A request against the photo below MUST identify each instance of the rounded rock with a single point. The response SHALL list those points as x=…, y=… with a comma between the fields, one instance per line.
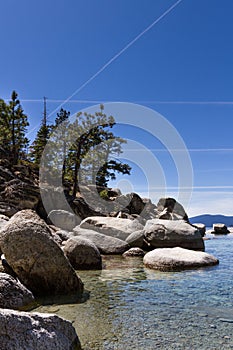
x=82, y=254
x=168, y=259
x=133, y=252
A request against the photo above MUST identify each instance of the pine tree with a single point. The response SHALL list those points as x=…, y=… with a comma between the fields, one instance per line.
x=60, y=139
x=91, y=130
x=4, y=127
x=13, y=123
x=101, y=162
x=42, y=137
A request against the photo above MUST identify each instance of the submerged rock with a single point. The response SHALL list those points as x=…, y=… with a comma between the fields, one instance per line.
x=36, y=258
x=167, y=259
x=31, y=331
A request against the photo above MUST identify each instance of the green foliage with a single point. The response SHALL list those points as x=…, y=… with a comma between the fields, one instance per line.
x=108, y=171
x=13, y=126
x=84, y=150
x=104, y=194
x=81, y=150
x=37, y=147
x=95, y=144
x=61, y=139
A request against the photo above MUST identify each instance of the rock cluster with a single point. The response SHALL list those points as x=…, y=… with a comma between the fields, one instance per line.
x=38, y=265
x=42, y=256
x=18, y=189
x=36, y=258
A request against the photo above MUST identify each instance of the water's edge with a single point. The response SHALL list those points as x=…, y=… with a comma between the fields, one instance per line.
x=132, y=307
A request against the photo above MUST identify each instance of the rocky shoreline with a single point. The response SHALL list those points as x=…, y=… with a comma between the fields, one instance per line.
x=40, y=255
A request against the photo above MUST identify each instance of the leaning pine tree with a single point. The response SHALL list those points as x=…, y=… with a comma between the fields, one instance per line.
x=91, y=131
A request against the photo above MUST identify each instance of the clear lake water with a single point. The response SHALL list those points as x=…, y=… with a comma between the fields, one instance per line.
x=130, y=307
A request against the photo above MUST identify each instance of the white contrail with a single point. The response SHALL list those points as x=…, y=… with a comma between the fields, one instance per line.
x=114, y=58
x=180, y=149
x=118, y=54
x=188, y=188
x=39, y=100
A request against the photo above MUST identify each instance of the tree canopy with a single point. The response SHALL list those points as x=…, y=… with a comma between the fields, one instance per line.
x=84, y=150
x=13, y=126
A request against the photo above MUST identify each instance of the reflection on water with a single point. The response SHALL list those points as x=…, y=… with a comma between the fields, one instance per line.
x=132, y=307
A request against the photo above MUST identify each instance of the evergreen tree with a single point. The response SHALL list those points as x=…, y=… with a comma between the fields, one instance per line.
x=60, y=139
x=101, y=163
x=4, y=127
x=108, y=171
x=91, y=130
x=13, y=123
x=42, y=137
x=39, y=143
x=74, y=144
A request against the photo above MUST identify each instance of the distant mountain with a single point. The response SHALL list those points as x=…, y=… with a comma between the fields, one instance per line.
x=209, y=220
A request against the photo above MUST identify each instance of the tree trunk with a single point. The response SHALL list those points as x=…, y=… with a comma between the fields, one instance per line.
x=76, y=169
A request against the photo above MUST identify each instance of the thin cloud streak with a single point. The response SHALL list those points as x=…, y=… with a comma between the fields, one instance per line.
x=182, y=150
x=63, y=101
x=187, y=188
x=214, y=170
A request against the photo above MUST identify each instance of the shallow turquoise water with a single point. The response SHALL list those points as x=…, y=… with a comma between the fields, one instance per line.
x=132, y=307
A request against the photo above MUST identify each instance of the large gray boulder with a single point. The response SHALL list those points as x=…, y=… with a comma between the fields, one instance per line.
x=170, y=209
x=29, y=215
x=114, y=227
x=201, y=228
x=36, y=331
x=82, y=254
x=36, y=258
x=167, y=259
x=63, y=219
x=13, y=295
x=168, y=234
x=136, y=204
x=105, y=244
x=136, y=239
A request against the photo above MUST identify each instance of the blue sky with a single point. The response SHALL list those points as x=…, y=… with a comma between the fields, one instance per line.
x=182, y=68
